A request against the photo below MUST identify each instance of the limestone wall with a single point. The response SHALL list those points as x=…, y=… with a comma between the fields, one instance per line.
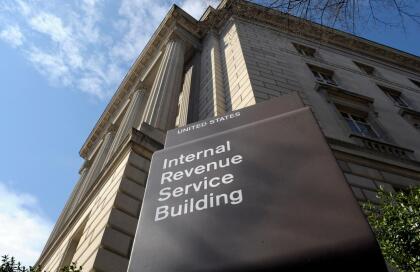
x=111, y=220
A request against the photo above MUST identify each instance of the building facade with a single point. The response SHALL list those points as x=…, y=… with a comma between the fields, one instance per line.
x=365, y=97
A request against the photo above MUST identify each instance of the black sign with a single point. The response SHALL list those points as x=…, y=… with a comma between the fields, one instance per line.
x=263, y=196
x=233, y=119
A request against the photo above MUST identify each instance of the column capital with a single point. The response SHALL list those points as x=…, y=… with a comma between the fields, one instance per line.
x=178, y=33
x=139, y=90
x=112, y=128
x=86, y=164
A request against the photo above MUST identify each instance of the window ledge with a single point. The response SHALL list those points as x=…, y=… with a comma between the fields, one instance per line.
x=340, y=92
x=409, y=111
x=384, y=147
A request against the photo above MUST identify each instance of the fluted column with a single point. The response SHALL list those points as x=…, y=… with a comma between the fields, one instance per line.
x=71, y=202
x=184, y=98
x=98, y=161
x=217, y=76
x=163, y=101
x=78, y=190
x=131, y=119
x=212, y=94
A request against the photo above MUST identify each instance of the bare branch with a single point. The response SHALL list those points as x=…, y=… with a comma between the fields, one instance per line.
x=350, y=14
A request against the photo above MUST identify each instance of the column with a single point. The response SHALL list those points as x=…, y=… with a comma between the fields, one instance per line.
x=163, y=100
x=131, y=119
x=98, y=162
x=212, y=94
x=79, y=187
x=71, y=202
x=217, y=76
x=184, y=98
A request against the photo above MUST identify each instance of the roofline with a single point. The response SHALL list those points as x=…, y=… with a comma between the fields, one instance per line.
x=174, y=9
x=201, y=24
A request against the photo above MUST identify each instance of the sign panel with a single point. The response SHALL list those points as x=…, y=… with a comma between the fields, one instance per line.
x=232, y=119
x=263, y=196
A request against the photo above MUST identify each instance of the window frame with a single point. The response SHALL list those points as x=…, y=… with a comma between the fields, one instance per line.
x=322, y=75
x=305, y=50
x=395, y=96
x=367, y=69
x=415, y=82
x=352, y=122
x=412, y=117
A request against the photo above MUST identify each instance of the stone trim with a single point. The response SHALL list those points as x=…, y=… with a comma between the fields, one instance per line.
x=175, y=17
x=391, y=162
x=215, y=18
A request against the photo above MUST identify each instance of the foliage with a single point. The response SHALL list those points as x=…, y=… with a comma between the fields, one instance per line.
x=9, y=264
x=396, y=223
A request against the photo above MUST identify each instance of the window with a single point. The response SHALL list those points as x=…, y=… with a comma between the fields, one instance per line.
x=417, y=83
x=412, y=116
x=395, y=96
x=323, y=75
x=414, y=121
x=369, y=70
x=304, y=50
x=359, y=125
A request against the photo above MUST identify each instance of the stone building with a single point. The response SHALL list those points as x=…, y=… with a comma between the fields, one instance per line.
x=365, y=96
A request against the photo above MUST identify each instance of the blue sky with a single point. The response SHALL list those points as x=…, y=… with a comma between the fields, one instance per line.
x=60, y=63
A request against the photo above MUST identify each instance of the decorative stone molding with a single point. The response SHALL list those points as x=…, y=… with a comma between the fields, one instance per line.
x=215, y=18
x=346, y=99
x=175, y=16
x=345, y=149
x=131, y=118
x=326, y=35
x=384, y=148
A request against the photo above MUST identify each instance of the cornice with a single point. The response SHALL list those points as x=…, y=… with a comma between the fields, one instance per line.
x=323, y=34
x=216, y=18
x=175, y=18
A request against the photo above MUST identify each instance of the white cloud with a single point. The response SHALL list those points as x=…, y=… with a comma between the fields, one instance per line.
x=91, y=85
x=12, y=35
x=24, y=229
x=85, y=44
x=52, y=66
x=51, y=25
x=196, y=7
x=23, y=7
x=140, y=18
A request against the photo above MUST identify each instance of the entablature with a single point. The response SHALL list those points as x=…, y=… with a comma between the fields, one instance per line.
x=192, y=31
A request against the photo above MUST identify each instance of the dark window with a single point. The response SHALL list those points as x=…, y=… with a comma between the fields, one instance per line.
x=398, y=100
x=366, y=68
x=414, y=120
x=359, y=125
x=417, y=83
x=304, y=50
x=324, y=76
x=395, y=96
